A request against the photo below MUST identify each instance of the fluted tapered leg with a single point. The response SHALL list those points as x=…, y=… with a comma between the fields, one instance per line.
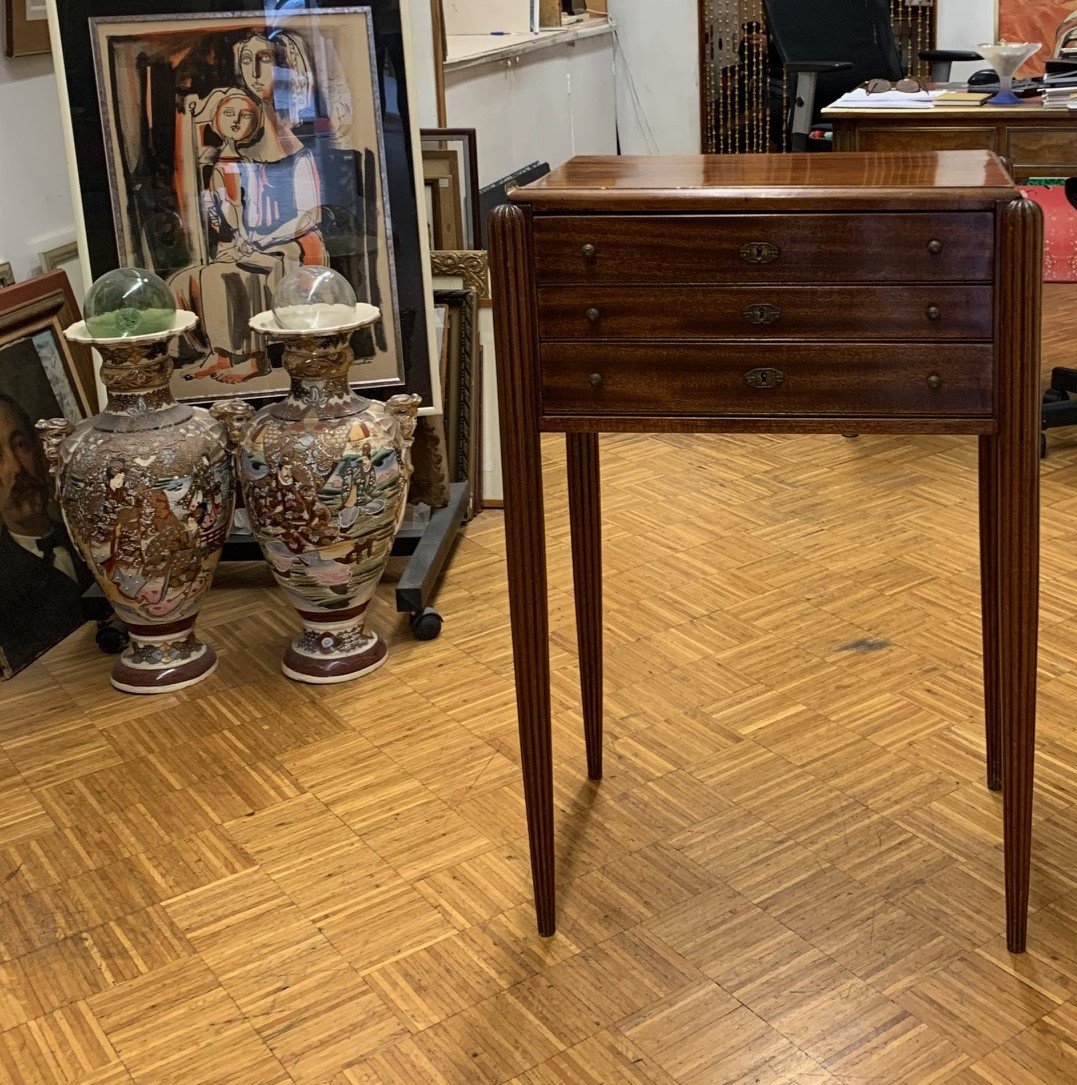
x=1016, y=462
x=989, y=607
x=585, y=514
x=525, y=538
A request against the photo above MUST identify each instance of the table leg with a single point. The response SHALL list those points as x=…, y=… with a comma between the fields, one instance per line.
x=1017, y=490
x=989, y=608
x=525, y=538
x=584, y=506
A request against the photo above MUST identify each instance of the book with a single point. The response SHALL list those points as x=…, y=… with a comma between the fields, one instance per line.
x=960, y=98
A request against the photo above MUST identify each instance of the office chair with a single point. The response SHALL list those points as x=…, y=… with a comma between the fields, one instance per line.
x=1059, y=409
x=830, y=47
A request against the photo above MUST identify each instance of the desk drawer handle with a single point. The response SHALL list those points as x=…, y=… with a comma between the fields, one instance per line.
x=588, y=251
x=592, y=315
x=934, y=381
x=764, y=378
x=933, y=312
x=934, y=247
x=762, y=314
x=760, y=252
x=595, y=379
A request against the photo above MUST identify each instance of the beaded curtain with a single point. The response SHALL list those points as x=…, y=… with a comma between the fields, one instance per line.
x=739, y=115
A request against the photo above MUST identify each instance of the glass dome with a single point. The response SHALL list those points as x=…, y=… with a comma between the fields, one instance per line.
x=313, y=298
x=128, y=302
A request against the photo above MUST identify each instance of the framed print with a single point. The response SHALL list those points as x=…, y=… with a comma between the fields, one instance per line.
x=65, y=258
x=42, y=577
x=458, y=146
x=229, y=143
x=7, y=276
x=26, y=29
x=441, y=175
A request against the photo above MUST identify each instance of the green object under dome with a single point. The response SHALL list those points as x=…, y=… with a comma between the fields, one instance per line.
x=128, y=302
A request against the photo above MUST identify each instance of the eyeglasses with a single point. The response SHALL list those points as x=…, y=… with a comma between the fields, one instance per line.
x=881, y=86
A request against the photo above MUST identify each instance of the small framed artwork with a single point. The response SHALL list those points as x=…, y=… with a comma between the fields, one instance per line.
x=7, y=276
x=26, y=28
x=444, y=205
x=42, y=577
x=224, y=149
x=454, y=152
x=65, y=258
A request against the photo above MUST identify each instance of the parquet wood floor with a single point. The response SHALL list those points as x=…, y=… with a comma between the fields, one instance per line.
x=791, y=873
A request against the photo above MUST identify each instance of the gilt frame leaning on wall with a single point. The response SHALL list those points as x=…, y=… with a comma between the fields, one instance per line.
x=237, y=145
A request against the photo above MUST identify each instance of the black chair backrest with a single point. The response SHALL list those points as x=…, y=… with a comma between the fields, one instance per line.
x=858, y=31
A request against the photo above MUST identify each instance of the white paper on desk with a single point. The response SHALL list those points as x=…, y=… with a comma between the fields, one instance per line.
x=889, y=99
x=487, y=16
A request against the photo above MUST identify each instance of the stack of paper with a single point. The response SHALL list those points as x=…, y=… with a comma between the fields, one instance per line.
x=890, y=99
x=1060, y=98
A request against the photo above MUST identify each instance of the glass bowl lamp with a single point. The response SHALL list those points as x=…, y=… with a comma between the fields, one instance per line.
x=1006, y=57
x=314, y=298
x=127, y=303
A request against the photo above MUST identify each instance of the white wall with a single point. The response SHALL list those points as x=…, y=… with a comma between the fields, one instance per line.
x=964, y=24
x=658, y=75
x=35, y=196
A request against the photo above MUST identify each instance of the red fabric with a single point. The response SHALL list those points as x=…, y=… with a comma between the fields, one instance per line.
x=1059, y=232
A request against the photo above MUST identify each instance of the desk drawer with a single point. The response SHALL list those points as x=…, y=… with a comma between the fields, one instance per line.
x=881, y=379
x=1030, y=146
x=764, y=248
x=766, y=312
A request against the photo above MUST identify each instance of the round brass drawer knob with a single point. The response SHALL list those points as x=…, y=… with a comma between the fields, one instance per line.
x=933, y=312
x=934, y=381
x=595, y=379
x=934, y=247
x=588, y=251
x=592, y=315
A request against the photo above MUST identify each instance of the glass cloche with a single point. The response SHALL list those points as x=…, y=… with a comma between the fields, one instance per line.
x=128, y=302
x=313, y=298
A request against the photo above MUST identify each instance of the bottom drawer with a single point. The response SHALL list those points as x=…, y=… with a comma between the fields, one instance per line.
x=767, y=380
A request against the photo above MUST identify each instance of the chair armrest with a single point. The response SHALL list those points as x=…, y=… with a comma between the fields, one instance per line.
x=952, y=56
x=819, y=66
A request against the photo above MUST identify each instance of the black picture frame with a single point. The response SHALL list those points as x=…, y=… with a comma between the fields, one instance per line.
x=465, y=138
x=74, y=55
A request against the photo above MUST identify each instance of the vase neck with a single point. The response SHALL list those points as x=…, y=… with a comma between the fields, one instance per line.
x=137, y=377
x=318, y=366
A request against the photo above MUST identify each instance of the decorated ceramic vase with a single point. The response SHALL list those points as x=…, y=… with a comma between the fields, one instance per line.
x=146, y=487
x=325, y=476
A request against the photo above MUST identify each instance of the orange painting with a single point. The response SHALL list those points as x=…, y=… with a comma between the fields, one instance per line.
x=1033, y=20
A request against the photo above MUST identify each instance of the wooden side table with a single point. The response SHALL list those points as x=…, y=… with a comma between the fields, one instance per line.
x=837, y=293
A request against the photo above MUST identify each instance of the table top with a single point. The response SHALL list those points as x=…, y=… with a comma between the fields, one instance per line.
x=1029, y=111
x=873, y=181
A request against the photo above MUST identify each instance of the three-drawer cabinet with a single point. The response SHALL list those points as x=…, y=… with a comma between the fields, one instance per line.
x=827, y=293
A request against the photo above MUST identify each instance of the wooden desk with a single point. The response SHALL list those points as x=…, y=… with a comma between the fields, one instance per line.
x=793, y=293
x=1039, y=142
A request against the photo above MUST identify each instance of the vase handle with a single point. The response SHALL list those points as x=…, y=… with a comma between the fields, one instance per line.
x=405, y=409
x=235, y=415
x=53, y=432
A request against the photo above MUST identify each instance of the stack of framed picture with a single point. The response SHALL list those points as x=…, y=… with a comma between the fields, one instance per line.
x=450, y=175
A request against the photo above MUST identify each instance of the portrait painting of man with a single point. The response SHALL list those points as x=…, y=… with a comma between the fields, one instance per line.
x=42, y=577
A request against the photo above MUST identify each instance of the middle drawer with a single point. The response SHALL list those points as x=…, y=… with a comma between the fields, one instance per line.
x=766, y=312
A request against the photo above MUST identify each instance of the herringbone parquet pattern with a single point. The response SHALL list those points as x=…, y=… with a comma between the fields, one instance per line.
x=791, y=873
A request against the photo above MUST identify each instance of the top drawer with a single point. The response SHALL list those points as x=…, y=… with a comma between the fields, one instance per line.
x=764, y=248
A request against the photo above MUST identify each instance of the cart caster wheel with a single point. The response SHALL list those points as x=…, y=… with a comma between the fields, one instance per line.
x=112, y=637
x=426, y=624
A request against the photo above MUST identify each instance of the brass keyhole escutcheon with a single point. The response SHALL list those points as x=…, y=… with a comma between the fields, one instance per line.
x=934, y=381
x=762, y=314
x=759, y=252
x=595, y=379
x=592, y=315
x=933, y=312
x=588, y=251
x=764, y=378
x=934, y=247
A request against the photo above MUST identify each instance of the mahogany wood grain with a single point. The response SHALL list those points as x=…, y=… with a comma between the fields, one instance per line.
x=584, y=506
x=698, y=377
x=767, y=312
x=1016, y=499
x=696, y=423
x=515, y=335
x=964, y=180
x=805, y=248
x=989, y=610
